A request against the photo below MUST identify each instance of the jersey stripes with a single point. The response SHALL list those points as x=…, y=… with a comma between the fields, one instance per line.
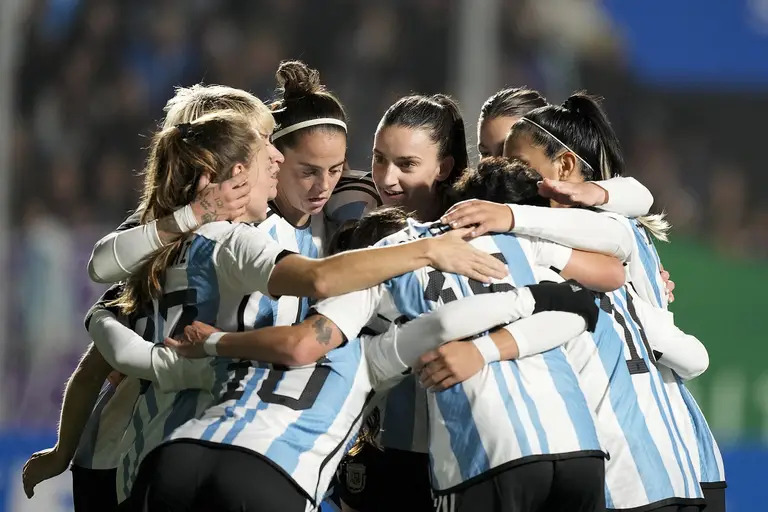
x=299, y=418
x=510, y=412
x=649, y=463
x=697, y=435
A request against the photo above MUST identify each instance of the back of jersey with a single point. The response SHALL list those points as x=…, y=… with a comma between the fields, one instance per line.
x=299, y=418
x=644, y=269
x=512, y=411
x=649, y=463
x=191, y=292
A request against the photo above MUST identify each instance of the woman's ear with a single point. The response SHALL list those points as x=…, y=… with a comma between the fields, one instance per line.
x=203, y=181
x=446, y=166
x=568, y=166
x=237, y=169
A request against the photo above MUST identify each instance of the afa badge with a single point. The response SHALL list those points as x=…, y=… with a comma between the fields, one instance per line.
x=355, y=477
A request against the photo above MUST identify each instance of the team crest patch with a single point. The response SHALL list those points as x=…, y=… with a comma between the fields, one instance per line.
x=355, y=477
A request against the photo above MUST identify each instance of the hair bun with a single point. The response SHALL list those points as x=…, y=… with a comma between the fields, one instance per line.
x=295, y=79
x=582, y=103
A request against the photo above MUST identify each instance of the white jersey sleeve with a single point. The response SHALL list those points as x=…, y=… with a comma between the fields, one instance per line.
x=626, y=196
x=673, y=348
x=119, y=254
x=352, y=311
x=544, y=331
x=574, y=227
x=132, y=355
x=549, y=254
x=246, y=259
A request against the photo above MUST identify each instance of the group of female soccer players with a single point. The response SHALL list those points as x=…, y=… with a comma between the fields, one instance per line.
x=261, y=355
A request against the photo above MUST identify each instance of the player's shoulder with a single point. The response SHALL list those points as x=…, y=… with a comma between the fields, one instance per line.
x=232, y=234
x=413, y=231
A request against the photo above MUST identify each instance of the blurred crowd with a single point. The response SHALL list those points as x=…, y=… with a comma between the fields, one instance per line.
x=95, y=74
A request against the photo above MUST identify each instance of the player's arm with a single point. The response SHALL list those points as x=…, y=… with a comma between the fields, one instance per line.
x=594, y=271
x=80, y=395
x=119, y=254
x=455, y=362
x=391, y=354
x=251, y=261
x=623, y=195
x=132, y=355
x=360, y=269
x=337, y=320
x=672, y=347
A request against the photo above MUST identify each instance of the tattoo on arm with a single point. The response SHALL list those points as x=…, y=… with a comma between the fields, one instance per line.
x=323, y=331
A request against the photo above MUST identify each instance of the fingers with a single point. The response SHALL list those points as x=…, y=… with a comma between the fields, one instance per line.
x=453, y=211
x=670, y=286
x=237, y=180
x=426, y=358
x=429, y=380
x=461, y=233
x=174, y=344
x=445, y=384
x=491, y=266
x=670, y=298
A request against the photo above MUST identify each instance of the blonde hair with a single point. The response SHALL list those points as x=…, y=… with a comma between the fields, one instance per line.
x=212, y=144
x=657, y=225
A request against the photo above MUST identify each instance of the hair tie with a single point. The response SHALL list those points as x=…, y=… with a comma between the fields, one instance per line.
x=184, y=129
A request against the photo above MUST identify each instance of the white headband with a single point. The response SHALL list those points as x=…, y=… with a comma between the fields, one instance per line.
x=305, y=124
x=537, y=125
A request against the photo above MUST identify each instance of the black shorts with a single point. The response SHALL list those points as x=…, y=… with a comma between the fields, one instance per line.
x=193, y=476
x=94, y=490
x=714, y=496
x=569, y=485
x=389, y=480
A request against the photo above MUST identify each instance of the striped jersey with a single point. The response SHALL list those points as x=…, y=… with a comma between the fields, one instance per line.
x=649, y=462
x=99, y=442
x=214, y=268
x=644, y=275
x=512, y=411
x=299, y=418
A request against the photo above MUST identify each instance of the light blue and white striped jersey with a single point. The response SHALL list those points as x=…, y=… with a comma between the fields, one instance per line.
x=299, y=418
x=213, y=270
x=649, y=462
x=644, y=275
x=510, y=412
x=99, y=442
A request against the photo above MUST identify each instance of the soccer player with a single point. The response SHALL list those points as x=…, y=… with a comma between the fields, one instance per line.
x=232, y=256
x=96, y=456
x=546, y=138
x=469, y=461
x=621, y=380
x=499, y=113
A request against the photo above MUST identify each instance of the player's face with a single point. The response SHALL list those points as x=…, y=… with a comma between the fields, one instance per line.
x=262, y=175
x=406, y=168
x=491, y=134
x=522, y=148
x=312, y=169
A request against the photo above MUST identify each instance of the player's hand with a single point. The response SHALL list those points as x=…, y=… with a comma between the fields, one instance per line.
x=573, y=194
x=668, y=283
x=451, y=253
x=41, y=466
x=194, y=337
x=449, y=365
x=221, y=201
x=485, y=216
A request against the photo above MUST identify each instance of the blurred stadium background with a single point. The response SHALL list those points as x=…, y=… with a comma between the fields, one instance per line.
x=83, y=82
